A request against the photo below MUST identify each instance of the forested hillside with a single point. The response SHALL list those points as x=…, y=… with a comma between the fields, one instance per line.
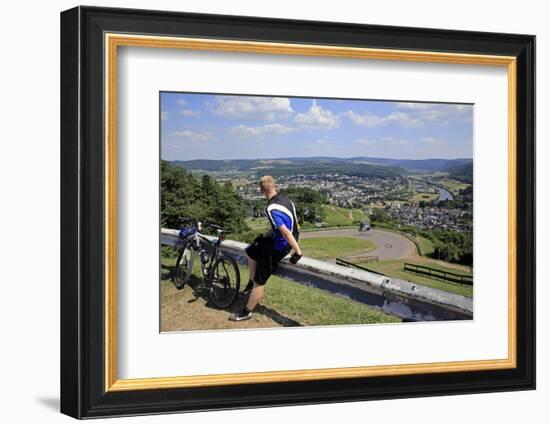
x=182, y=194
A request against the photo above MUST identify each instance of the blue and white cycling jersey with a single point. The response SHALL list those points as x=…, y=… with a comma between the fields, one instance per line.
x=280, y=210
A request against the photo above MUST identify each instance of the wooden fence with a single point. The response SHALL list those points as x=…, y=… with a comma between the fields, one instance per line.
x=362, y=258
x=342, y=262
x=439, y=274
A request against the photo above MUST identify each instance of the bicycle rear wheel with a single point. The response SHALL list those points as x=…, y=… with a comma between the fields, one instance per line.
x=224, y=281
x=184, y=266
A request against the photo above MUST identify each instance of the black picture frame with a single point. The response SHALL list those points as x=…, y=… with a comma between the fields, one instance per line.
x=83, y=392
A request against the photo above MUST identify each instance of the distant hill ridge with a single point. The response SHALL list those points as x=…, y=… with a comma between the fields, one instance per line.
x=462, y=172
x=359, y=166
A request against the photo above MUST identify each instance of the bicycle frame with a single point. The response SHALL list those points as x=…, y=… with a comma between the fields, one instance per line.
x=193, y=245
x=195, y=241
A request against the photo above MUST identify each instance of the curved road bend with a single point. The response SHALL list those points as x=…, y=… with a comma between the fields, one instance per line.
x=389, y=245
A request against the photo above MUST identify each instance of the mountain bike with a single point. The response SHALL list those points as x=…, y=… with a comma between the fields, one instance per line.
x=220, y=273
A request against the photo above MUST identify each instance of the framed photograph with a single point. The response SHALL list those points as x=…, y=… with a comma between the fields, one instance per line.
x=261, y=212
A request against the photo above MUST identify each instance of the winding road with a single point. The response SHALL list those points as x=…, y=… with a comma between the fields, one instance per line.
x=389, y=245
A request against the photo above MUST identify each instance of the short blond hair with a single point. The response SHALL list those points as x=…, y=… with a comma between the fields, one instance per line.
x=267, y=183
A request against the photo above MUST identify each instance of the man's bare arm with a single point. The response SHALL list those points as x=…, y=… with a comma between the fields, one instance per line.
x=287, y=234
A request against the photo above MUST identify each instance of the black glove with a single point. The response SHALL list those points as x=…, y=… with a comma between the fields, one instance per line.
x=295, y=258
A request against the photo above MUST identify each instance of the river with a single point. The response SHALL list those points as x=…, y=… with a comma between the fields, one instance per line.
x=444, y=195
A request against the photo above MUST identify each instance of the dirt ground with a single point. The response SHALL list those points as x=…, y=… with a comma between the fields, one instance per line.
x=189, y=310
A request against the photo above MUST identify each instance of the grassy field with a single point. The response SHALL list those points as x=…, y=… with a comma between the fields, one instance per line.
x=316, y=229
x=453, y=186
x=417, y=197
x=394, y=268
x=426, y=245
x=332, y=247
x=337, y=216
x=311, y=306
x=285, y=303
x=358, y=214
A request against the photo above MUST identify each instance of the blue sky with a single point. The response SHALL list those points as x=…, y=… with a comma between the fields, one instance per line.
x=205, y=126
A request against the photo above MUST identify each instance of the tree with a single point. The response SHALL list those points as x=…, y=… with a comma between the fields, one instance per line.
x=308, y=203
x=183, y=195
x=180, y=195
x=228, y=209
x=379, y=215
x=451, y=246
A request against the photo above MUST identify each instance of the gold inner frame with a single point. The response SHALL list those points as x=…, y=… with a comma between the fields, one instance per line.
x=113, y=41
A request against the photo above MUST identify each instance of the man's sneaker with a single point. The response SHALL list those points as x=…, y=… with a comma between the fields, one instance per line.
x=248, y=288
x=244, y=314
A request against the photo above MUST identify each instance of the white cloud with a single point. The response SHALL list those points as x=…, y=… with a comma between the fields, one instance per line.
x=317, y=118
x=181, y=102
x=189, y=113
x=412, y=105
x=320, y=144
x=366, y=120
x=383, y=142
x=389, y=139
x=323, y=142
x=164, y=116
x=252, y=107
x=371, y=120
x=260, y=131
x=192, y=136
x=366, y=142
x=430, y=140
x=415, y=115
x=405, y=119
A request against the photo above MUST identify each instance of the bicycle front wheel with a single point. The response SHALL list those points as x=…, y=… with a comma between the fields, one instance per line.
x=224, y=281
x=184, y=266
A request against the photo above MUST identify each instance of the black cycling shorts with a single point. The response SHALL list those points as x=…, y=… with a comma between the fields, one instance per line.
x=267, y=258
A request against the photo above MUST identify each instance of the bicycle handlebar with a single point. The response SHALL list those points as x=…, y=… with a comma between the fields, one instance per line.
x=190, y=219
